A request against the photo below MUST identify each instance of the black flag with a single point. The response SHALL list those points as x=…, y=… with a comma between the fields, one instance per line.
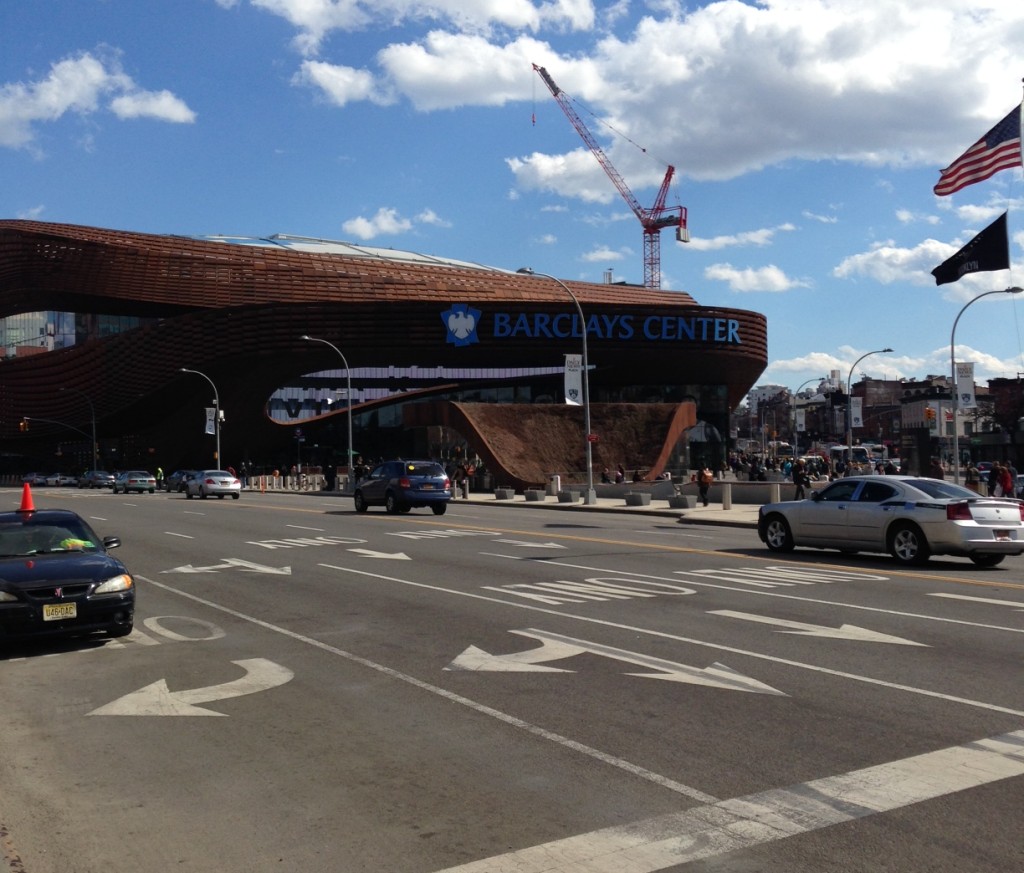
x=989, y=250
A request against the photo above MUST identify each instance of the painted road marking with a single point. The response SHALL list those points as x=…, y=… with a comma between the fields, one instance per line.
x=158, y=699
x=556, y=647
x=844, y=632
x=744, y=822
x=232, y=564
x=370, y=553
x=532, y=545
x=1013, y=604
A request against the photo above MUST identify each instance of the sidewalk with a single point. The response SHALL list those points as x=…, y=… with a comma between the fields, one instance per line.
x=740, y=515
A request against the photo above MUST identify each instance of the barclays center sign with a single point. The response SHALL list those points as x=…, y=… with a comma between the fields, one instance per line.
x=464, y=323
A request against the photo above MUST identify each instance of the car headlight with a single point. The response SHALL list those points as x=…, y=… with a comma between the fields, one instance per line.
x=115, y=585
x=7, y=597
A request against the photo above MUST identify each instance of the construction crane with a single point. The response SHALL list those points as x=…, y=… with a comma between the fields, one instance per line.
x=651, y=220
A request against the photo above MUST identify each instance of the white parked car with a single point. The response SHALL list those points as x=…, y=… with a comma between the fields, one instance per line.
x=61, y=479
x=134, y=480
x=910, y=517
x=213, y=483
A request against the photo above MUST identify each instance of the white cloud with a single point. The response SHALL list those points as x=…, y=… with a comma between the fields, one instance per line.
x=761, y=237
x=342, y=85
x=78, y=85
x=388, y=221
x=605, y=254
x=769, y=278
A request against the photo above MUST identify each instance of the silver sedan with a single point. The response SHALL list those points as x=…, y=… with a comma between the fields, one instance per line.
x=910, y=517
x=212, y=483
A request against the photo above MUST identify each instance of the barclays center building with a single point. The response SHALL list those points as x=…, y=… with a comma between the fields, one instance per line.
x=125, y=349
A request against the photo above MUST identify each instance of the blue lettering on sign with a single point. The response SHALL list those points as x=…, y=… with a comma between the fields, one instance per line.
x=463, y=321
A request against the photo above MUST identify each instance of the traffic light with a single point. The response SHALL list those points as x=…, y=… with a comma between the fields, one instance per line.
x=23, y=425
x=929, y=414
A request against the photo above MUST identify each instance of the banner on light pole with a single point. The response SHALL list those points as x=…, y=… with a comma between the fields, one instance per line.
x=574, y=380
x=211, y=413
x=856, y=412
x=966, y=398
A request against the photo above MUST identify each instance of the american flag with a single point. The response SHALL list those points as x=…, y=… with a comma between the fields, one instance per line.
x=999, y=149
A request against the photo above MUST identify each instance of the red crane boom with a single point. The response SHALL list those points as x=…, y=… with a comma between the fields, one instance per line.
x=651, y=220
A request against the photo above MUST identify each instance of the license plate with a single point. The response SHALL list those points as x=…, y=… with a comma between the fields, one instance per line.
x=58, y=611
x=1002, y=534
x=426, y=486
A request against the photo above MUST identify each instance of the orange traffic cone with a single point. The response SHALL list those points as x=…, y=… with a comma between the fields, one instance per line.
x=26, y=499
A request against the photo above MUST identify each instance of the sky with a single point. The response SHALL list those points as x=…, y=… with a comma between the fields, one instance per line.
x=806, y=137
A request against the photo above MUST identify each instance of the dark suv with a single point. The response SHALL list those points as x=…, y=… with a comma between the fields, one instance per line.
x=399, y=486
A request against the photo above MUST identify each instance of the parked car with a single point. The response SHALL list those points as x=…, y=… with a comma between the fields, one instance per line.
x=34, y=478
x=96, y=479
x=134, y=480
x=910, y=517
x=58, y=479
x=399, y=486
x=176, y=481
x=57, y=577
x=213, y=483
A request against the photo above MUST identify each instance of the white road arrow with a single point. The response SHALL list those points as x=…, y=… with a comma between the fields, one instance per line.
x=232, y=563
x=158, y=699
x=370, y=553
x=531, y=545
x=556, y=647
x=844, y=632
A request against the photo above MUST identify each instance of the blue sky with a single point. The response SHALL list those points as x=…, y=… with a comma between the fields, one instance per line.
x=806, y=136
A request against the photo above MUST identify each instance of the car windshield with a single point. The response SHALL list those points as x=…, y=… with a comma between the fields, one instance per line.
x=939, y=489
x=42, y=539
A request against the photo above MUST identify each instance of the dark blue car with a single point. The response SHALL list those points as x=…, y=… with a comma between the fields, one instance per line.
x=399, y=486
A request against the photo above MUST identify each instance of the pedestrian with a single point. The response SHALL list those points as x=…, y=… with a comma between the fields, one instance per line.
x=936, y=470
x=620, y=475
x=462, y=481
x=1007, y=479
x=800, y=480
x=606, y=477
x=704, y=481
x=159, y=478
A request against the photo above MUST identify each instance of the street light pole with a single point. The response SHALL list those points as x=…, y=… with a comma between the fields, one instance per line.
x=952, y=366
x=796, y=438
x=216, y=410
x=590, y=498
x=849, y=401
x=348, y=394
x=92, y=411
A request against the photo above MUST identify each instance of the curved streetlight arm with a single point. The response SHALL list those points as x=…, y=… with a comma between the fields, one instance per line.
x=954, y=393
x=590, y=498
x=348, y=393
x=849, y=400
x=216, y=403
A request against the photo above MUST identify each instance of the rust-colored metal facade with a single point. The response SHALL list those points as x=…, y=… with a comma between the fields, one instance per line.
x=237, y=312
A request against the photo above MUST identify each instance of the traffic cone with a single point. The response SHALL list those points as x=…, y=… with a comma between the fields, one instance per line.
x=26, y=499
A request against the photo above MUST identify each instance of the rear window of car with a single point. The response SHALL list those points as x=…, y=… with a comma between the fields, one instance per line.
x=424, y=470
x=937, y=488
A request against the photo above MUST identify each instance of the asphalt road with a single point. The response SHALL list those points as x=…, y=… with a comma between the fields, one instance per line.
x=519, y=691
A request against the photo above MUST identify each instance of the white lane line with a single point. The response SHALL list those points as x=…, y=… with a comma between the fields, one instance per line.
x=171, y=533
x=565, y=742
x=301, y=527
x=744, y=822
x=814, y=668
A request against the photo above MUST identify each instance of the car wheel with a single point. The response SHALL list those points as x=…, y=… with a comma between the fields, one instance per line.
x=188, y=494
x=361, y=505
x=908, y=545
x=152, y=490
x=987, y=560
x=391, y=503
x=119, y=631
x=439, y=508
x=202, y=494
x=777, y=535
x=235, y=496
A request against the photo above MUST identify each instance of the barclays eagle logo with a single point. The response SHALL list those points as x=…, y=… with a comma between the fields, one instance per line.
x=461, y=321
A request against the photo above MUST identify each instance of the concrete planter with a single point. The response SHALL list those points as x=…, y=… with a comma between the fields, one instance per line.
x=504, y=493
x=638, y=499
x=682, y=501
x=568, y=496
x=534, y=495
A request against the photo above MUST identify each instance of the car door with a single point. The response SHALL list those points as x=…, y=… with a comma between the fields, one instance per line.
x=823, y=520
x=374, y=486
x=867, y=516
